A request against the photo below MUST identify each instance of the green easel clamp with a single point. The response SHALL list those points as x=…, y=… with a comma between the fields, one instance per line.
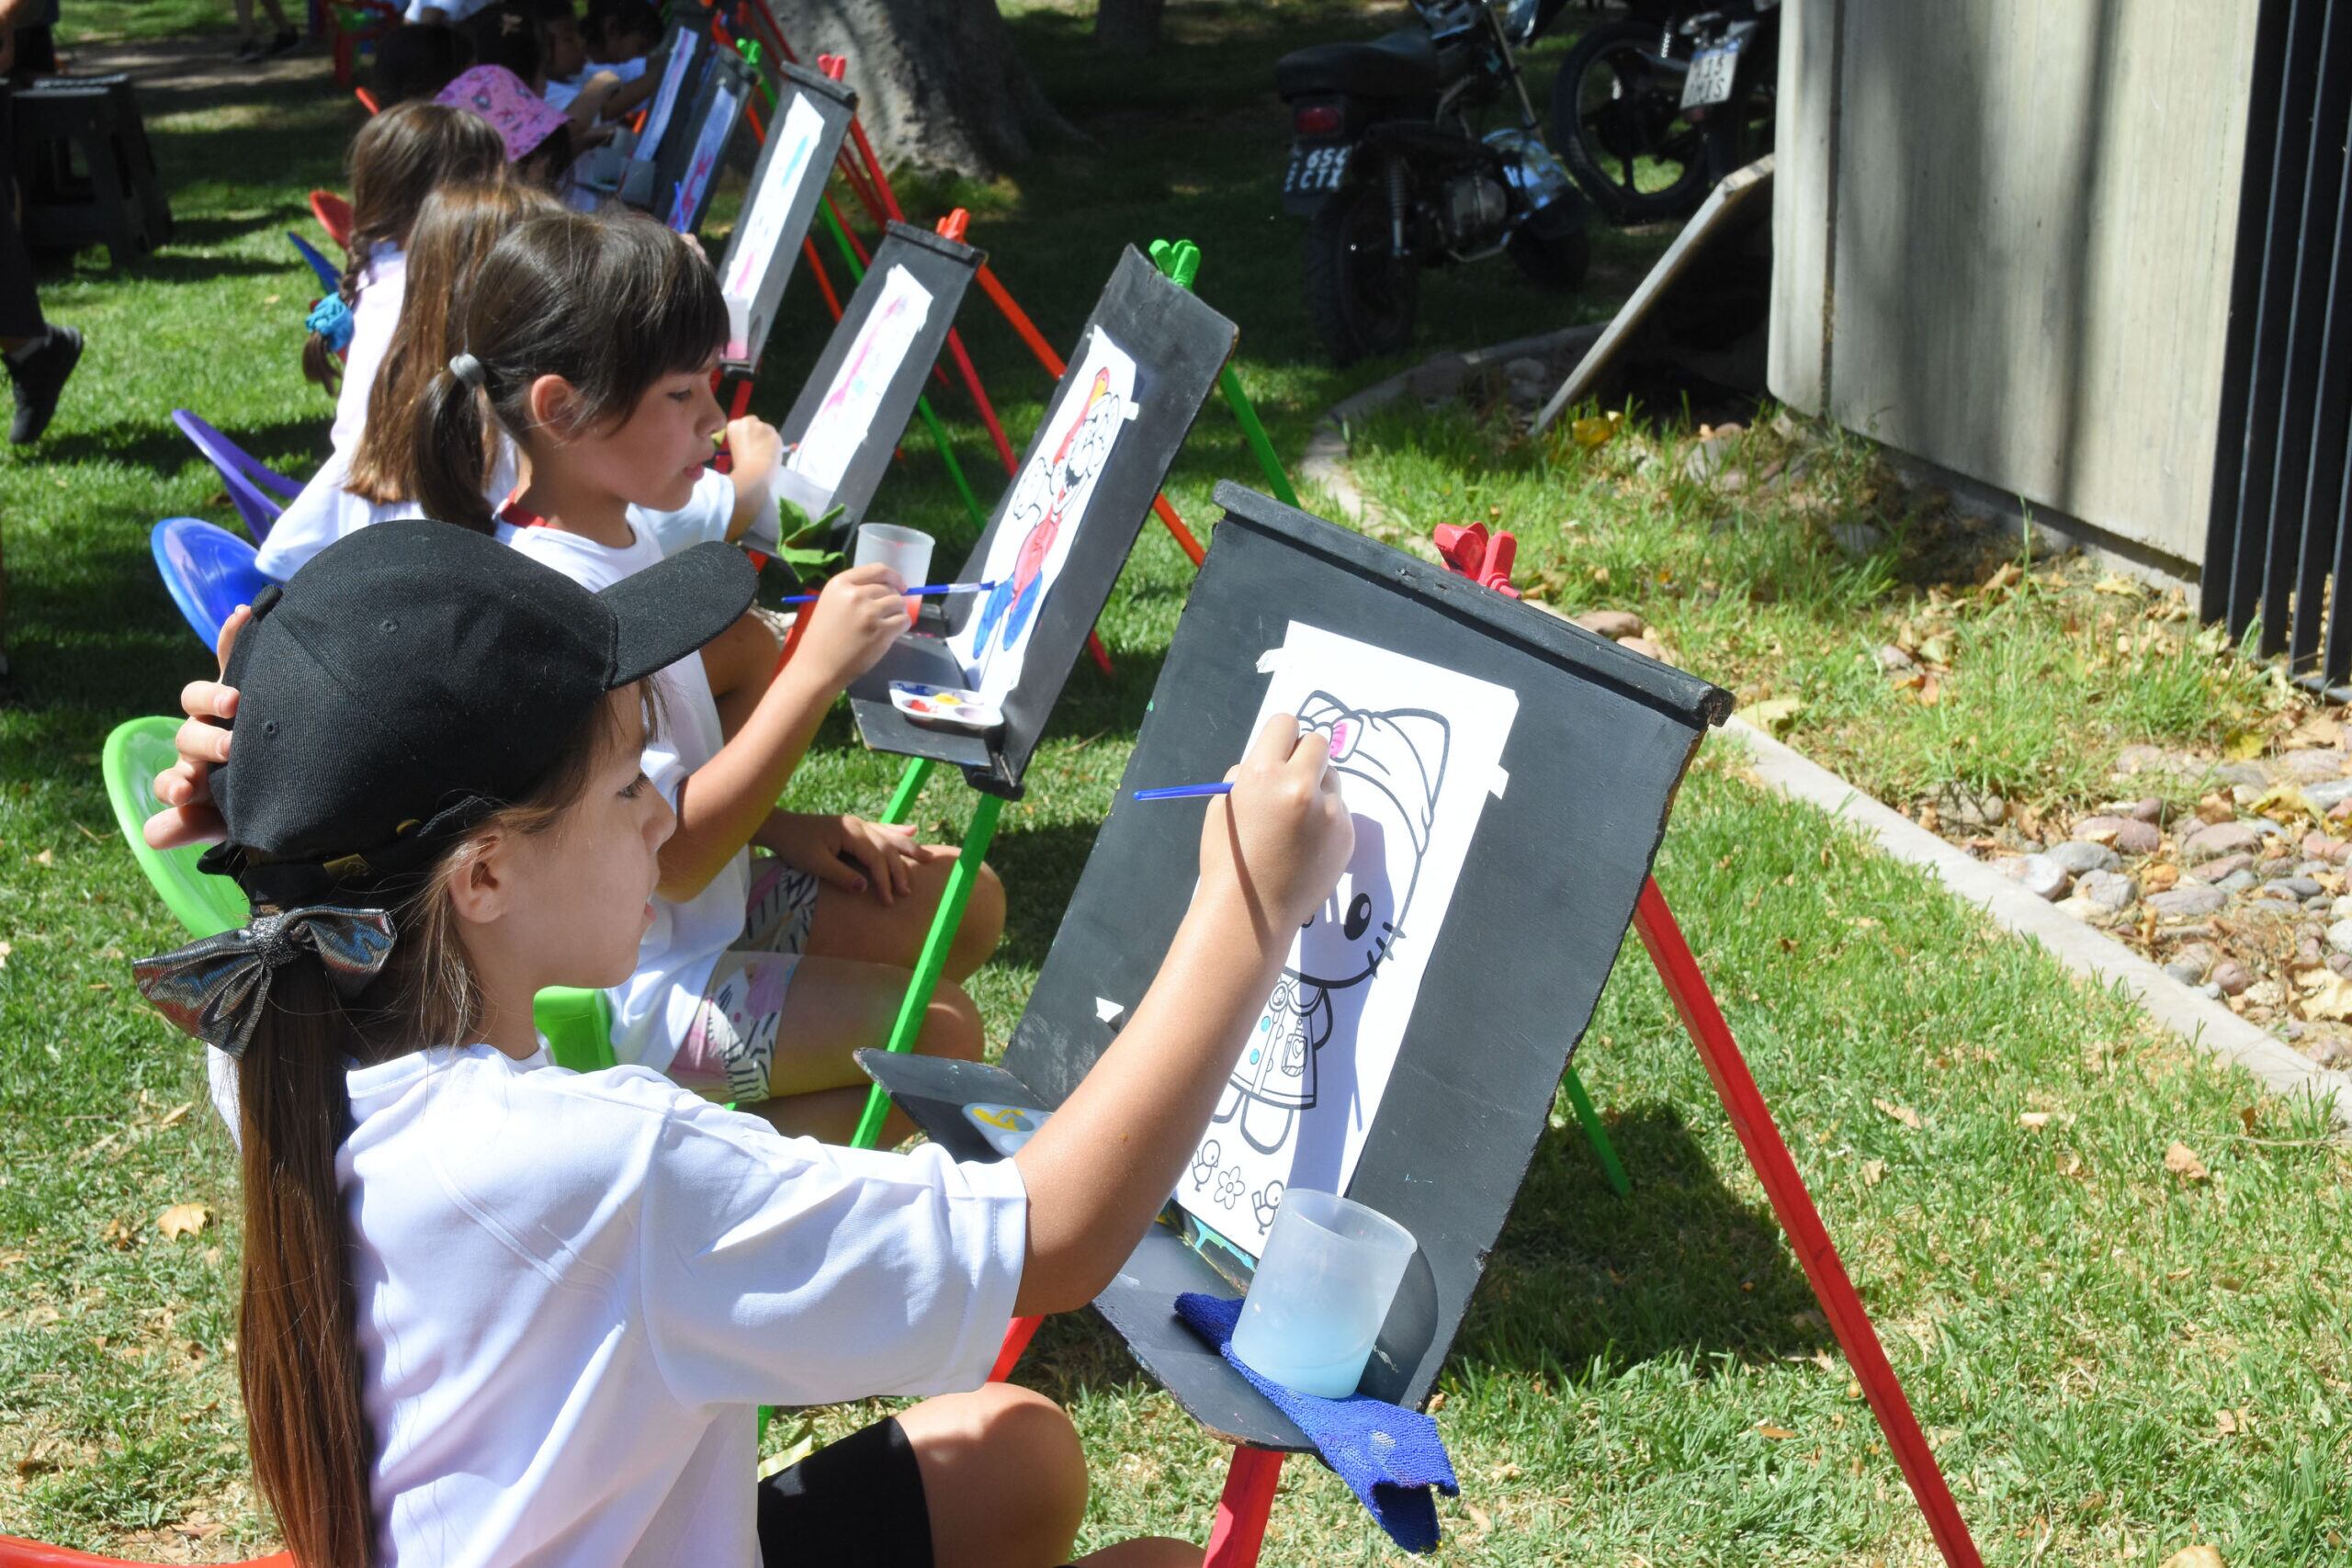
x=1180, y=260
x=922, y=404
x=978, y=835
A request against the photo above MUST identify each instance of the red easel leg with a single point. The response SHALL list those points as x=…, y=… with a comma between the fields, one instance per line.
x=1016, y=1340
x=1752, y=1121
x=1240, y=1529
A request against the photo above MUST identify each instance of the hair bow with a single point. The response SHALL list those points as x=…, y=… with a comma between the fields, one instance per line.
x=215, y=989
x=330, y=319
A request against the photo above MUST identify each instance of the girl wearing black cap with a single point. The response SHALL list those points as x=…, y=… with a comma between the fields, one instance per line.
x=497, y=1312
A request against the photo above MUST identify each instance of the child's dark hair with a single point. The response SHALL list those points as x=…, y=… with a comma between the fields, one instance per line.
x=609, y=20
x=549, y=12
x=610, y=304
x=396, y=160
x=509, y=35
x=298, y=1349
x=417, y=59
x=460, y=226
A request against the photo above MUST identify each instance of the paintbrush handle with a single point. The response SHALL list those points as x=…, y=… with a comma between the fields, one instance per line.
x=1183, y=792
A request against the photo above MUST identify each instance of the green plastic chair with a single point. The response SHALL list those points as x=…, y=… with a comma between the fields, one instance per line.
x=137, y=750
x=576, y=1025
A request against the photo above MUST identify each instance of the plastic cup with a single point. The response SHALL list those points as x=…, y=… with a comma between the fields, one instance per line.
x=1324, y=1285
x=906, y=551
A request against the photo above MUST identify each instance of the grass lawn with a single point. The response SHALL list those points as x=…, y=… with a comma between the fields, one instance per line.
x=2112, y=1359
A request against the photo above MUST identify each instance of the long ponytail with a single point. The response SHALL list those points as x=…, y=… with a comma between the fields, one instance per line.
x=299, y=1364
x=321, y=366
x=450, y=454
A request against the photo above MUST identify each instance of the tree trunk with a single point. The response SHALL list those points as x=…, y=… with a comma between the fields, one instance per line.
x=938, y=80
x=1129, y=28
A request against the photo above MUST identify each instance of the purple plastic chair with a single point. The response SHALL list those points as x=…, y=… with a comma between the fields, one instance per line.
x=330, y=276
x=247, y=479
x=208, y=570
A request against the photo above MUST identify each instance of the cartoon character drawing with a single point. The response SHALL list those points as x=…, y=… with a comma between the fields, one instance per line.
x=1392, y=764
x=1053, y=490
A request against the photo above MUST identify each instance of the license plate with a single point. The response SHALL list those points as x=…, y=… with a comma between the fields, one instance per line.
x=1316, y=171
x=1711, y=74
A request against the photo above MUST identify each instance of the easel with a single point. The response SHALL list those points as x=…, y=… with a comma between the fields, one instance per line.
x=1488, y=1107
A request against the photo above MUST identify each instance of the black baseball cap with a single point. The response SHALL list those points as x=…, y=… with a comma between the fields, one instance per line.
x=415, y=676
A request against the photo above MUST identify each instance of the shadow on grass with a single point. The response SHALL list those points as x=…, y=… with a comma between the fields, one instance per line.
x=162, y=450
x=1581, y=1280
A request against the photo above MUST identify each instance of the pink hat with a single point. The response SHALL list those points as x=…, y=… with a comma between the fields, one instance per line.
x=523, y=118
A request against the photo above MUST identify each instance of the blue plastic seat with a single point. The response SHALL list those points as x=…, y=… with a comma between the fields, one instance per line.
x=247, y=480
x=208, y=570
x=330, y=276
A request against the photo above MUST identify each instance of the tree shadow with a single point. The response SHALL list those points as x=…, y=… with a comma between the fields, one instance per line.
x=162, y=450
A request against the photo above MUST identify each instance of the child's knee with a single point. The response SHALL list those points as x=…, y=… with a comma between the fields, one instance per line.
x=1034, y=1439
x=951, y=1026
x=983, y=922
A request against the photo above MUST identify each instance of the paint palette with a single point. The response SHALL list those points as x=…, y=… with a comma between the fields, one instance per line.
x=1007, y=1127
x=951, y=706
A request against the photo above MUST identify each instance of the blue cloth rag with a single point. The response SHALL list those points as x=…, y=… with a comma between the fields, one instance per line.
x=1389, y=1456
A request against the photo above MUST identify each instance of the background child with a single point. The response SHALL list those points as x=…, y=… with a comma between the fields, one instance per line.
x=358, y=485
x=753, y=977
x=397, y=160
x=416, y=60
x=442, y=1233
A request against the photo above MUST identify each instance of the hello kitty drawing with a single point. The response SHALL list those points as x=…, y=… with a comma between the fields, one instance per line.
x=1392, y=765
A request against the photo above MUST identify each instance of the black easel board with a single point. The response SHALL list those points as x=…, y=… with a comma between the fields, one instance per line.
x=678, y=67
x=941, y=269
x=1176, y=344
x=813, y=115
x=1547, y=890
x=687, y=169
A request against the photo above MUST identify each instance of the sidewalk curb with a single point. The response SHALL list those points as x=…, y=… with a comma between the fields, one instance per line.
x=2087, y=953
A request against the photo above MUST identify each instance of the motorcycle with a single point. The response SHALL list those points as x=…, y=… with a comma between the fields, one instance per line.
x=1394, y=175
x=1651, y=112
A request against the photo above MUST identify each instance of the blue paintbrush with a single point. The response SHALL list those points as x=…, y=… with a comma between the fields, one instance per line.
x=929, y=590
x=1183, y=792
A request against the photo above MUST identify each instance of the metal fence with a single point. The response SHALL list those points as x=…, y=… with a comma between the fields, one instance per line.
x=2278, y=549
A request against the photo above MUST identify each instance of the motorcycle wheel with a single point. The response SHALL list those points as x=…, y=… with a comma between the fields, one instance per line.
x=1617, y=123
x=1362, y=299
x=1558, y=263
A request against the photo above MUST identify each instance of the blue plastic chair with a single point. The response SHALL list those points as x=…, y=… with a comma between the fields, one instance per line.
x=209, y=571
x=330, y=275
x=246, y=479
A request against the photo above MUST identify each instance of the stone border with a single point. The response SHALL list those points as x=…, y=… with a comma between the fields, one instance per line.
x=2088, y=954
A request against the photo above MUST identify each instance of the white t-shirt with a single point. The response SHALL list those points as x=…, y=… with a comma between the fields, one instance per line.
x=382, y=289
x=455, y=10
x=325, y=511
x=574, y=1288
x=654, y=1009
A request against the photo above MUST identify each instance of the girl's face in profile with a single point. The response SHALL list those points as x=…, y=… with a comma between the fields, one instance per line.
x=653, y=457
x=584, y=888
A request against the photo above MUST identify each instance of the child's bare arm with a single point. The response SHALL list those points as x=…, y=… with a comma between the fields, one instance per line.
x=1100, y=1170
x=757, y=450
x=723, y=803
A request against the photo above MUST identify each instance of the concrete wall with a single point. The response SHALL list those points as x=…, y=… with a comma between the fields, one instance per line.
x=2002, y=234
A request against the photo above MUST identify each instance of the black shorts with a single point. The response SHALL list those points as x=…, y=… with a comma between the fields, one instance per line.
x=859, y=1500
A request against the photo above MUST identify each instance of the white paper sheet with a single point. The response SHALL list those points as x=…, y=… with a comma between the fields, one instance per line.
x=1418, y=749
x=666, y=96
x=843, y=420
x=764, y=212
x=709, y=142
x=1047, y=509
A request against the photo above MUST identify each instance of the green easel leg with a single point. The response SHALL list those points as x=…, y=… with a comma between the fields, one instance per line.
x=902, y=799
x=1246, y=416
x=1602, y=1149
x=976, y=838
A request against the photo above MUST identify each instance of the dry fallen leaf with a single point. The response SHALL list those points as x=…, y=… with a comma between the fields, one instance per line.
x=47, y=857
x=6, y=949
x=2183, y=1162
x=1778, y=1434
x=2033, y=1120
x=2316, y=729
x=2323, y=994
x=2115, y=583
x=182, y=1219
x=2194, y=1557
x=1595, y=431
x=1901, y=1113
x=2225, y=1421
x=1773, y=714
x=1874, y=1172
x=2243, y=747
x=2158, y=878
